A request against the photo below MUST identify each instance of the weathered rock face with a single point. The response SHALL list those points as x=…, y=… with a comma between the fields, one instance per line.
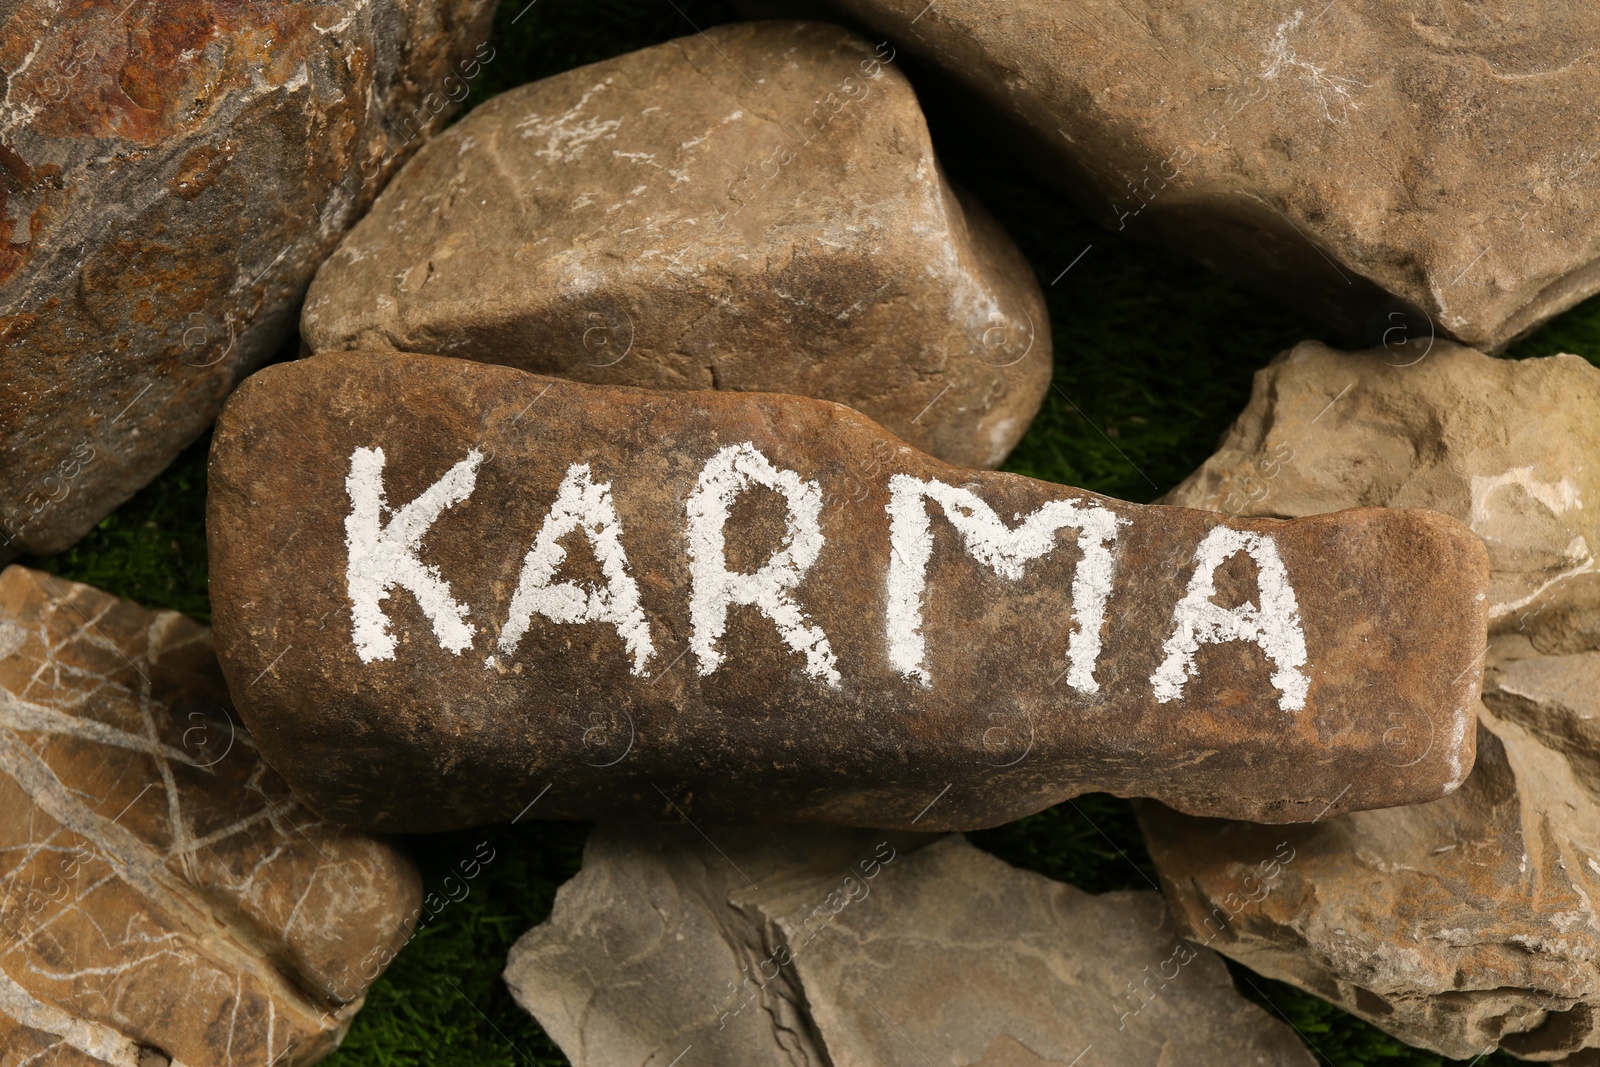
x=663, y=220
x=1463, y=925
x=861, y=948
x=173, y=173
x=440, y=585
x=1328, y=154
x=1505, y=446
x=165, y=895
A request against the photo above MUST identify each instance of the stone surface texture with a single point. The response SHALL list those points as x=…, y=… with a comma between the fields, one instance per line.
x=755, y=208
x=1466, y=924
x=440, y=585
x=1327, y=154
x=868, y=949
x=1506, y=446
x=170, y=177
x=1463, y=925
x=164, y=897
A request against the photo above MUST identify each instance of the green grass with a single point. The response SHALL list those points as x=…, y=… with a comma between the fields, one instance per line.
x=1153, y=359
x=153, y=548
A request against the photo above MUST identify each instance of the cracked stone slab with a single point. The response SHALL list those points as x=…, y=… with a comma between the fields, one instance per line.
x=1332, y=155
x=1463, y=925
x=852, y=948
x=163, y=896
x=172, y=175
x=1506, y=446
x=757, y=207
x=440, y=585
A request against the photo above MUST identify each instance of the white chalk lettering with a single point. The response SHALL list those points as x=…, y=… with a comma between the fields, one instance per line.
x=581, y=504
x=1004, y=550
x=383, y=556
x=714, y=588
x=1274, y=626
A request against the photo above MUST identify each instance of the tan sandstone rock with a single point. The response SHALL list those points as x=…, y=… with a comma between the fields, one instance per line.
x=162, y=894
x=1510, y=447
x=757, y=207
x=1463, y=925
x=441, y=585
x=868, y=949
x=170, y=176
x=1328, y=152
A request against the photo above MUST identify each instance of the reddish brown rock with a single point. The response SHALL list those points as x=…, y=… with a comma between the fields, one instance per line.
x=1329, y=153
x=165, y=896
x=1464, y=925
x=440, y=586
x=868, y=949
x=757, y=208
x=172, y=175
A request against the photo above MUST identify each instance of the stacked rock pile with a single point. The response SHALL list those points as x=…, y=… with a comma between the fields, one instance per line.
x=604, y=482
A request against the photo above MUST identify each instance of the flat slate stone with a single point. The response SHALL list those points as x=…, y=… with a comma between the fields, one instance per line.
x=170, y=176
x=857, y=948
x=440, y=586
x=163, y=896
x=757, y=207
x=1353, y=158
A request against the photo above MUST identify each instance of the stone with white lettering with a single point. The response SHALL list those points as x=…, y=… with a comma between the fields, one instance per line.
x=171, y=174
x=1506, y=446
x=440, y=585
x=1356, y=158
x=166, y=898
x=757, y=207
x=830, y=946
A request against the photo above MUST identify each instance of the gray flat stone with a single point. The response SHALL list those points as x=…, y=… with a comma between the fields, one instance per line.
x=866, y=949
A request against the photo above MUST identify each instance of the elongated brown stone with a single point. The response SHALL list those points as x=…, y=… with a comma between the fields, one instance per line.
x=774, y=610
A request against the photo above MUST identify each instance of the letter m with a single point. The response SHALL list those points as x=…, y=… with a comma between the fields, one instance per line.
x=382, y=556
x=1005, y=550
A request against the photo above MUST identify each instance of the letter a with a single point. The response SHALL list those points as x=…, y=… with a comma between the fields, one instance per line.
x=581, y=504
x=1275, y=626
x=382, y=556
x=1004, y=550
x=714, y=588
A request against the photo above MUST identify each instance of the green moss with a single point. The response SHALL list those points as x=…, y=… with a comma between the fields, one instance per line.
x=1153, y=359
x=153, y=548
x=442, y=1002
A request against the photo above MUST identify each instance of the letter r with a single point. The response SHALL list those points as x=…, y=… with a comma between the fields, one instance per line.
x=770, y=588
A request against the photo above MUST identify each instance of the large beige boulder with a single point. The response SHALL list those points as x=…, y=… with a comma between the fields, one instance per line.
x=1337, y=155
x=757, y=207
